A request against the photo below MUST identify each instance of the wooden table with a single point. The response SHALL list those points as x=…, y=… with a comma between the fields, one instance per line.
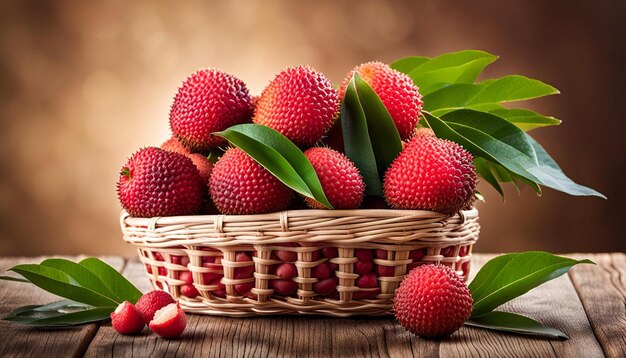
x=588, y=304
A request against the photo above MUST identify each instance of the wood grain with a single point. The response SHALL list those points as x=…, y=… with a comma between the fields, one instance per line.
x=21, y=341
x=602, y=289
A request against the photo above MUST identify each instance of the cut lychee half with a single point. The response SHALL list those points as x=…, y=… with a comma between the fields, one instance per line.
x=169, y=322
x=126, y=319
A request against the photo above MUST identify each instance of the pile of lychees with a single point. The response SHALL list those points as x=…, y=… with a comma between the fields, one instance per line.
x=300, y=103
x=157, y=309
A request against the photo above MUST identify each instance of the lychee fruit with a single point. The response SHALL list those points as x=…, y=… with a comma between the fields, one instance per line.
x=363, y=267
x=208, y=101
x=169, y=321
x=334, y=137
x=432, y=301
x=286, y=255
x=173, y=145
x=341, y=181
x=155, y=182
x=330, y=252
x=385, y=271
x=284, y=287
x=300, y=103
x=243, y=271
x=364, y=254
x=151, y=302
x=396, y=90
x=286, y=271
x=180, y=260
x=418, y=254
x=368, y=280
x=431, y=174
x=186, y=276
x=239, y=185
x=326, y=286
x=322, y=271
x=126, y=319
x=244, y=288
x=204, y=166
x=189, y=290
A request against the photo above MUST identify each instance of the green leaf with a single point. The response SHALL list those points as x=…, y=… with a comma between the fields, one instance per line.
x=482, y=168
x=504, y=89
x=114, y=280
x=508, y=276
x=83, y=276
x=407, y=64
x=384, y=136
x=514, y=323
x=542, y=172
x=495, y=126
x=554, y=176
x=356, y=138
x=451, y=59
x=59, y=314
x=525, y=119
x=60, y=284
x=279, y=156
x=431, y=81
x=15, y=279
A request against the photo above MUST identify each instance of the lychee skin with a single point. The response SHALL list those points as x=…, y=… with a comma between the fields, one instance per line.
x=155, y=182
x=300, y=103
x=126, y=319
x=173, y=145
x=239, y=185
x=341, y=181
x=431, y=174
x=432, y=301
x=151, y=302
x=204, y=166
x=208, y=101
x=396, y=90
x=174, y=326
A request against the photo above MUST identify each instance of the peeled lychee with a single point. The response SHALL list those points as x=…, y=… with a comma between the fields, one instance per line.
x=155, y=182
x=126, y=319
x=151, y=302
x=208, y=101
x=432, y=301
x=169, y=321
x=300, y=103
x=396, y=90
x=239, y=185
x=340, y=179
x=431, y=174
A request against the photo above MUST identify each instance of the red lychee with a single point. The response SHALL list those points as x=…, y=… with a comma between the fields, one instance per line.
x=431, y=174
x=322, y=271
x=284, y=287
x=203, y=165
x=239, y=185
x=340, y=179
x=173, y=145
x=286, y=271
x=432, y=301
x=126, y=319
x=364, y=254
x=155, y=182
x=169, y=321
x=326, y=286
x=189, y=290
x=300, y=103
x=151, y=302
x=208, y=101
x=363, y=267
x=396, y=90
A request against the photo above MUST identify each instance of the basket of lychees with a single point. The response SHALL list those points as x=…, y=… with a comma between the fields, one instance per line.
x=317, y=199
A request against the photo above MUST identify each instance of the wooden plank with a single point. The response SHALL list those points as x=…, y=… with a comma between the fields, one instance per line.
x=602, y=290
x=21, y=341
x=555, y=304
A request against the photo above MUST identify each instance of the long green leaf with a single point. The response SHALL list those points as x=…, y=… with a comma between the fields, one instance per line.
x=451, y=59
x=114, y=280
x=509, y=276
x=49, y=318
x=60, y=284
x=279, y=156
x=356, y=139
x=514, y=323
x=83, y=276
x=495, y=126
x=431, y=81
x=408, y=64
x=384, y=136
x=525, y=119
x=14, y=279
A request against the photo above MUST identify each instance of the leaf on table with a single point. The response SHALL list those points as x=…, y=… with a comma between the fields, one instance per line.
x=508, y=276
x=61, y=313
x=514, y=323
x=11, y=278
x=383, y=134
x=61, y=284
x=357, y=142
x=279, y=156
x=114, y=280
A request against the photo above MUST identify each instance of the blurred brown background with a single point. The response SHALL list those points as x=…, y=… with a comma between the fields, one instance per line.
x=82, y=86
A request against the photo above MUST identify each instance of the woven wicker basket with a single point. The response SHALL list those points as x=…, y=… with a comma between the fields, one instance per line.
x=398, y=240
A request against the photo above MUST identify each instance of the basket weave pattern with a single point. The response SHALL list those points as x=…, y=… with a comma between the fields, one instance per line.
x=400, y=239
